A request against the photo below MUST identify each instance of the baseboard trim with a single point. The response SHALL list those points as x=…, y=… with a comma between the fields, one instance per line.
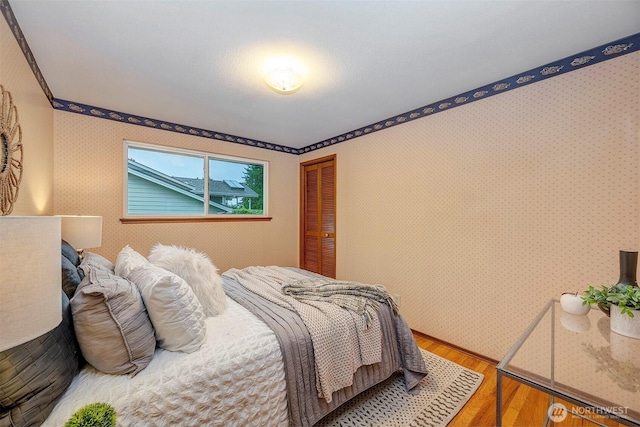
x=456, y=347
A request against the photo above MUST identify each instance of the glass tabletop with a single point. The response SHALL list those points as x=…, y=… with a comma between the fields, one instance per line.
x=580, y=359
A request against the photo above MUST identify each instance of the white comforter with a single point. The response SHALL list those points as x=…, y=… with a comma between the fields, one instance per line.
x=235, y=379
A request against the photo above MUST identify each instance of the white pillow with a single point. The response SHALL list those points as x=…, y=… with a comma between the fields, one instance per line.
x=128, y=260
x=174, y=310
x=197, y=270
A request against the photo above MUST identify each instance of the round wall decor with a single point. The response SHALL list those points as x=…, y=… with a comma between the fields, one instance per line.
x=10, y=153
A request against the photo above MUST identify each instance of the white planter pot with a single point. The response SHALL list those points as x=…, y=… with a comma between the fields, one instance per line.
x=623, y=324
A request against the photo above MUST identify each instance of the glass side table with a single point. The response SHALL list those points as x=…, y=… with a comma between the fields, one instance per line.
x=577, y=359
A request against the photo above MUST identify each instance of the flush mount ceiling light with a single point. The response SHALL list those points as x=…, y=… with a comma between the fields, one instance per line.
x=284, y=80
x=284, y=75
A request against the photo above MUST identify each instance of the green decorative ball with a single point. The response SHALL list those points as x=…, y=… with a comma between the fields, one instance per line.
x=93, y=415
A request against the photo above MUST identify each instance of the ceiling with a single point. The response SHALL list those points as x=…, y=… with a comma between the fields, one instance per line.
x=199, y=63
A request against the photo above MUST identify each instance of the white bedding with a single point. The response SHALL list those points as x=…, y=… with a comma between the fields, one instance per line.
x=235, y=379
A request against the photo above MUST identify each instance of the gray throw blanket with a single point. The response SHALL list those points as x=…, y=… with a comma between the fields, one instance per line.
x=358, y=297
x=399, y=352
x=342, y=342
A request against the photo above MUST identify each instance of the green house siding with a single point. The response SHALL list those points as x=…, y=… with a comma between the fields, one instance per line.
x=148, y=198
x=145, y=197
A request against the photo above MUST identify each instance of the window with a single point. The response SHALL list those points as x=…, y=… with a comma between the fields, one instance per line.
x=169, y=182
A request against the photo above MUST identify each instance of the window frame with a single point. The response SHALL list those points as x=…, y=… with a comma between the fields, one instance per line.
x=205, y=216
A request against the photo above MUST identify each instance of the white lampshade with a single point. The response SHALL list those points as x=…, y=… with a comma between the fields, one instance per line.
x=30, y=278
x=82, y=231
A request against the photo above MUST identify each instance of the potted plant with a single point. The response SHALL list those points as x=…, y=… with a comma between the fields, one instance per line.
x=623, y=303
x=93, y=415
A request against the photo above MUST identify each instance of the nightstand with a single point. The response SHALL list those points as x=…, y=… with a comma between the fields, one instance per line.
x=577, y=359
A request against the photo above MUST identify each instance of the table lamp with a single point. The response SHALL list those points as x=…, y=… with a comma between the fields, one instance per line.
x=30, y=279
x=82, y=231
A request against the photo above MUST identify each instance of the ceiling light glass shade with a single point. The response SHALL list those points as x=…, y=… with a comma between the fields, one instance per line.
x=284, y=80
x=30, y=286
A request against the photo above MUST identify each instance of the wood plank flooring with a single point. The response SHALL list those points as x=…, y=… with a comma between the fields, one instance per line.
x=522, y=405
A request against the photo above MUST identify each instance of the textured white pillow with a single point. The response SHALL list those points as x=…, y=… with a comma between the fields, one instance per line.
x=197, y=270
x=128, y=260
x=174, y=310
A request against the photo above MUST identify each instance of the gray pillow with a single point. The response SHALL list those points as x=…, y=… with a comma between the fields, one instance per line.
x=108, y=313
x=69, y=253
x=95, y=261
x=70, y=277
x=34, y=375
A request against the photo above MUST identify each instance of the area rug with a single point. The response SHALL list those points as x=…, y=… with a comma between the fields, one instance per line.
x=440, y=397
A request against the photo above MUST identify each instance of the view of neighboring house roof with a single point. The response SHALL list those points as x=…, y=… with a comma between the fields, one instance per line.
x=157, y=176
x=227, y=188
x=193, y=186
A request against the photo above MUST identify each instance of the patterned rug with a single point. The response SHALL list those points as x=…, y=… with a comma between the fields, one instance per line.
x=441, y=396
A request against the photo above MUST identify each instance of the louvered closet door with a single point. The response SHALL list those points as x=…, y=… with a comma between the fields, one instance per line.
x=318, y=216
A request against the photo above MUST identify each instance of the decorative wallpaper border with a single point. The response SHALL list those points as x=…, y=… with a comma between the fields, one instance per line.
x=7, y=12
x=102, y=113
x=609, y=51
x=574, y=62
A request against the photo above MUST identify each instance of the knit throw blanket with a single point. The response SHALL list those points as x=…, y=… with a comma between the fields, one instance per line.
x=358, y=297
x=343, y=340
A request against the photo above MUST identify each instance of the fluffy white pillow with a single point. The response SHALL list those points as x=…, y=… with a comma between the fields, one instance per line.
x=197, y=270
x=174, y=310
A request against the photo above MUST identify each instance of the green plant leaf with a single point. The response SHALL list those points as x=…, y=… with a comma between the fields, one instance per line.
x=627, y=297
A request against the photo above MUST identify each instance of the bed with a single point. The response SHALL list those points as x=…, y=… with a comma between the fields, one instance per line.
x=255, y=367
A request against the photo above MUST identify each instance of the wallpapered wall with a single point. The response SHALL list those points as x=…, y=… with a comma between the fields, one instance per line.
x=35, y=115
x=475, y=216
x=479, y=215
x=88, y=164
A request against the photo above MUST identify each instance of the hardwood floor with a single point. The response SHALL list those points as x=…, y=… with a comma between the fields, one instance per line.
x=522, y=405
